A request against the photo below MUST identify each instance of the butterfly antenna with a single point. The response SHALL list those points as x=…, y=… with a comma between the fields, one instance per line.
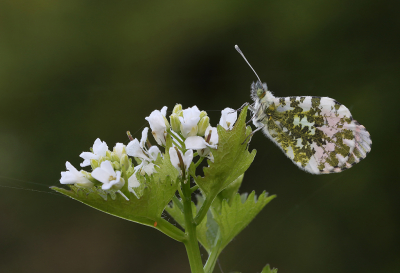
x=241, y=53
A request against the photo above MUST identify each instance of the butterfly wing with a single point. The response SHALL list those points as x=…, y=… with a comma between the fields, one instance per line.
x=317, y=133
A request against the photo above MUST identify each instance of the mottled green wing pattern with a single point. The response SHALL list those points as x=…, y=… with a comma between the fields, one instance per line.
x=317, y=133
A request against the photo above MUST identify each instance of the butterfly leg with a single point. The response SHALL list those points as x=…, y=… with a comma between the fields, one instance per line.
x=251, y=134
x=241, y=107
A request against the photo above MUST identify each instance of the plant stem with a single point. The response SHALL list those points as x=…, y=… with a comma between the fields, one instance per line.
x=213, y=255
x=194, y=188
x=177, y=138
x=177, y=203
x=203, y=210
x=170, y=230
x=198, y=162
x=191, y=244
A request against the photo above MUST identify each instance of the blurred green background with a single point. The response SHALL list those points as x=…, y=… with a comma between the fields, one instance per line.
x=73, y=71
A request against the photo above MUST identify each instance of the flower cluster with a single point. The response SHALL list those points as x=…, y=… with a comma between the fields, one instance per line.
x=190, y=131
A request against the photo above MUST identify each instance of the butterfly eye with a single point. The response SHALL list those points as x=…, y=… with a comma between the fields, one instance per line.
x=260, y=93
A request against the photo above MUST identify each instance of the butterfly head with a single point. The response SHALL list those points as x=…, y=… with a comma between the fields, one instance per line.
x=258, y=90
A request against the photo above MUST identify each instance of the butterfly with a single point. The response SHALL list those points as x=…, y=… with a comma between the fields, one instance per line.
x=318, y=134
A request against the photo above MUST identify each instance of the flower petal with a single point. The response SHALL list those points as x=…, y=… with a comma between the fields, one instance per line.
x=134, y=149
x=195, y=142
x=106, y=165
x=101, y=175
x=174, y=158
x=187, y=158
x=144, y=137
x=133, y=182
x=119, y=149
x=228, y=118
x=164, y=111
x=153, y=152
x=100, y=147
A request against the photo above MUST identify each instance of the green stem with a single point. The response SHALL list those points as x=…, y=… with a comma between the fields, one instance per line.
x=194, y=188
x=191, y=244
x=203, y=209
x=212, y=259
x=177, y=203
x=170, y=230
x=198, y=162
x=177, y=138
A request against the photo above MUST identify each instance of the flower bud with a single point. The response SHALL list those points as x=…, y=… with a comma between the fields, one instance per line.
x=166, y=123
x=94, y=163
x=203, y=114
x=124, y=162
x=177, y=109
x=175, y=123
x=116, y=165
x=203, y=125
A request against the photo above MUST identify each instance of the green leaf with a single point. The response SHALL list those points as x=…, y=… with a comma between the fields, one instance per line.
x=235, y=217
x=157, y=193
x=267, y=269
x=231, y=158
x=175, y=212
x=227, y=194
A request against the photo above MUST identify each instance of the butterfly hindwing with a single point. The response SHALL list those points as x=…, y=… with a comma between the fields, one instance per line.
x=317, y=133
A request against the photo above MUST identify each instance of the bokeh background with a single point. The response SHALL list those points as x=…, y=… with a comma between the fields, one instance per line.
x=72, y=71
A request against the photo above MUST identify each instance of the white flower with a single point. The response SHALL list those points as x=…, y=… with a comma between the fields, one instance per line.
x=133, y=182
x=145, y=167
x=99, y=149
x=228, y=118
x=157, y=124
x=119, y=149
x=106, y=175
x=187, y=158
x=202, y=145
x=73, y=176
x=191, y=117
x=136, y=150
x=153, y=152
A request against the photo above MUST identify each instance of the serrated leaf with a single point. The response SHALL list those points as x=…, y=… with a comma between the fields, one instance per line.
x=206, y=230
x=158, y=191
x=228, y=193
x=231, y=158
x=235, y=217
x=175, y=212
x=267, y=269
